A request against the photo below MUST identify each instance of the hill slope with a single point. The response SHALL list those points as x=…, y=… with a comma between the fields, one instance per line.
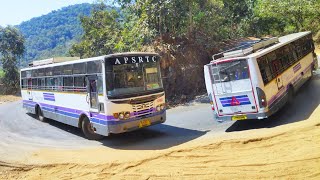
x=53, y=34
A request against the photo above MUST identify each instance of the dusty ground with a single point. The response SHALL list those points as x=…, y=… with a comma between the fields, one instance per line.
x=288, y=152
x=8, y=98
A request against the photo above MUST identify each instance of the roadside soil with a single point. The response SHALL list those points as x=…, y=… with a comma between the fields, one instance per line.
x=287, y=152
x=8, y=98
x=317, y=50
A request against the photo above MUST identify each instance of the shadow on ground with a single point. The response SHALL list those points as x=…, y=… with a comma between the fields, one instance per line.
x=161, y=136
x=156, y=137
x=307, y=99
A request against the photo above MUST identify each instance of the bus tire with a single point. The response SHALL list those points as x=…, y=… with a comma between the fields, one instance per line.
x=40, y=115
x=88, y=130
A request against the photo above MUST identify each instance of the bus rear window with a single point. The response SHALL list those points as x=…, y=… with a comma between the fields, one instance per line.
x=230, y=71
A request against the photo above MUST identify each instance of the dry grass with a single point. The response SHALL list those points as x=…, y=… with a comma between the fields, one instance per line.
x=8, y=98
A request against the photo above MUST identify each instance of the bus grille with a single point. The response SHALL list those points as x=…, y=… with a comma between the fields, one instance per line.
x=143, y=109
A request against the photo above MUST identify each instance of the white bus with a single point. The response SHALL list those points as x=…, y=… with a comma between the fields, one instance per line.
x=254, y=82
x=108, y=94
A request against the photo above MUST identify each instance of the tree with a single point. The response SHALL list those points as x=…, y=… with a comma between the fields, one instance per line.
x=299, y=15
x=101, y=32
x=107, y=31
x=11, y=49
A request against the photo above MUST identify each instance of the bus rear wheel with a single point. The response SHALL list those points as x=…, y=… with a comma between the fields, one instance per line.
x=40, y=115
x=88, y=130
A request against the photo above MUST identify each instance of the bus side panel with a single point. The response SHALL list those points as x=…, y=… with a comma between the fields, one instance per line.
x=65, y=108
x=295, y=75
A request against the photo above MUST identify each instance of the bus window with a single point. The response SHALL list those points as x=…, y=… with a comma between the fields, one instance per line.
x=230, y=71
x=48, y=71
x=79, y=84
x=29, y=83
x=94, y=67
x=57, y=70
x=67, y=83
x=59, y=84
x=34, y=83
x=100, y=85
x=23, y=74
x=67, y=69
x=41, y=83
x=79, y=68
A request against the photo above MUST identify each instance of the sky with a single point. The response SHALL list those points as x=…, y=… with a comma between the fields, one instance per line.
x=13, y=12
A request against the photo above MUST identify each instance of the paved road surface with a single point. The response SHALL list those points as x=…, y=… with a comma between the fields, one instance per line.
x=21, y=133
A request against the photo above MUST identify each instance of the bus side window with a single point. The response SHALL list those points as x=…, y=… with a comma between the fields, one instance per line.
x=29, y=83
x=67, y=83
x=94, y=67
x=100, y=85
x=79, y=84
x=59, y=84
x=34, y=83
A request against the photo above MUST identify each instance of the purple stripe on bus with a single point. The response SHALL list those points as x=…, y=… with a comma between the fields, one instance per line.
x=240, y=100
x=100, y=116
x=48, y=94
x=49, y=98
x=79, y=112
x=296, y=68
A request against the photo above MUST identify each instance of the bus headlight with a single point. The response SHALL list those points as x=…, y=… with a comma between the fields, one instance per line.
x=127, y=115
x=116, y=115
x=121, y=116
x=162, y=106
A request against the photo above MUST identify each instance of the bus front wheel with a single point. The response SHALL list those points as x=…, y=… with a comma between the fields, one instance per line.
x=40, y=114
x=88, y=130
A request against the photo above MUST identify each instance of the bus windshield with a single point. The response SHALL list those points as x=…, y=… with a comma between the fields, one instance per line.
x=134, y=78
x=230, y=71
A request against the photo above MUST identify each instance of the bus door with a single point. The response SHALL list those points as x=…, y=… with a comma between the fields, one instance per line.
x=92, y=93
x=276, y=67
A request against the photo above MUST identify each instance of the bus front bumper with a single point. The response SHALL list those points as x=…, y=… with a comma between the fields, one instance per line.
x=238, y=117
x=130, y=125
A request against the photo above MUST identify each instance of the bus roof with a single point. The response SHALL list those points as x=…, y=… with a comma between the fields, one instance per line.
x=91, y=59
x=282, y=41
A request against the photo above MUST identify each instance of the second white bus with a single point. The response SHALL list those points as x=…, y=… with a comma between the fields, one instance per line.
x=256, y=81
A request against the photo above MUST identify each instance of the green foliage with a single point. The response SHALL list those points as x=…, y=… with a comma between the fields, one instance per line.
x=53, y=34
x=105, y=32
x=204, y=21
x=1, y=73
x=11, y=48
x=297, y=15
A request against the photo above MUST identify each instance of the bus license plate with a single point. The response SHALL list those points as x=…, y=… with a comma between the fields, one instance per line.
x=144, y=123
x=240, y=117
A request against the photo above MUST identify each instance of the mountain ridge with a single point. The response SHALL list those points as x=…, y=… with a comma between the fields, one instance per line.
x=54, y=33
